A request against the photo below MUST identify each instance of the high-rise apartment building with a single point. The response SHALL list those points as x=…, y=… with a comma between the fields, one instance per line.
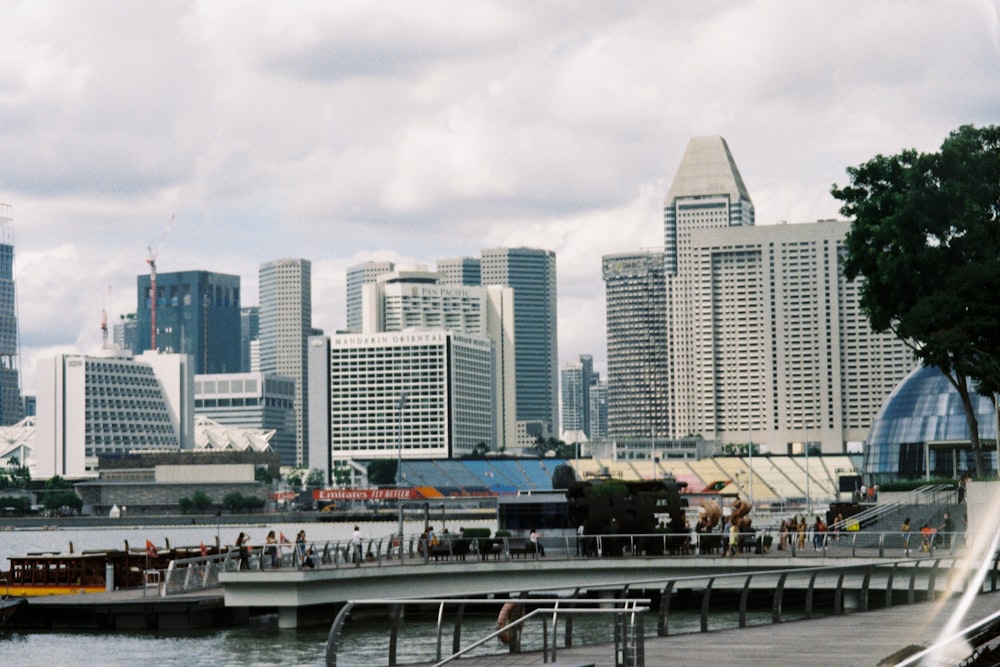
x=638, y=363
x=461, y=270
x=598, y=408
x=124, y=333
x=285, y=326
x=249, y=333
x=415, y=300
x=253, y=401
x=531, y=273
x=11, y=405
x=197, y=313
x=413, y=394
x=358, y=276
x=110, y=404
x=766, y=339
x=577, y=378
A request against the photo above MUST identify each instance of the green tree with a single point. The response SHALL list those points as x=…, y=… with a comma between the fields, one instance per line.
x=341, y=473
x=382, y=472
x=316, y=479
x=263, y=475
x=926, y=240
x=56, y=498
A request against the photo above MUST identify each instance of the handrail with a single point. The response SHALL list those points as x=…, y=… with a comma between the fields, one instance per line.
x=542, y=607
x=882, y=509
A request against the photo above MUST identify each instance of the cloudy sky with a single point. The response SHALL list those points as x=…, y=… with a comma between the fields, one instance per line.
x=412, y=131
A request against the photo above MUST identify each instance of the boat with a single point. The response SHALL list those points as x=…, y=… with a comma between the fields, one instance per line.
x=37, y=574
x=9, y=606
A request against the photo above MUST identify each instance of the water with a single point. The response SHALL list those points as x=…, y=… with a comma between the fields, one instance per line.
x=364, y=641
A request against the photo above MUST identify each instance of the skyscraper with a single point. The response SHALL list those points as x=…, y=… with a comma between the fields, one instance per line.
x=638, y=364
x=358, y=276
x=461, y=270
x=576, y=379
x=767, y=341
x=197, y=313
x=249, y=332
x=285, y=326
x=531, y=272
x=405, y=300
x=11, y=406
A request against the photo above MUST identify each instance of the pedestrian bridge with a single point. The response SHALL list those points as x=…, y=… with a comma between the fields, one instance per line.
x=853, y=574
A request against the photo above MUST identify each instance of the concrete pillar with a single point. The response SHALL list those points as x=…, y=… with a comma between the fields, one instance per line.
x=288, y=617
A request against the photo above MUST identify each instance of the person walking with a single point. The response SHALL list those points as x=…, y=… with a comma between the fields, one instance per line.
x=905, y=529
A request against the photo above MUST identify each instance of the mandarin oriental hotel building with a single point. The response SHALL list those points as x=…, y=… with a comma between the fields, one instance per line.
x=415, y=394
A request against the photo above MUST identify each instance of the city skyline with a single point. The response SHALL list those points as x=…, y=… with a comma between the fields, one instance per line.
x=349, y=133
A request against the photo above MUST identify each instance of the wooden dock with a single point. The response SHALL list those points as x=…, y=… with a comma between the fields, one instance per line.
x=134, y=609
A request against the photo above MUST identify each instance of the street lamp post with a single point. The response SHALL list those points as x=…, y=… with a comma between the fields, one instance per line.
x=808, y=495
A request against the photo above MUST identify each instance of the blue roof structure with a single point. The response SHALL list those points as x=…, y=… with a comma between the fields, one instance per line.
x=925, y=408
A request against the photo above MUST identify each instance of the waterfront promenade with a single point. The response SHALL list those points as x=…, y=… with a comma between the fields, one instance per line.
x=868, y=639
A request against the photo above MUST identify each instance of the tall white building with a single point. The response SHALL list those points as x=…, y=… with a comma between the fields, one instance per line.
x=766, y=340
x=638, y=363
x=285, y=325
x=410, y=394
x=258, y=401
x=358, y=276
x=415, y=300
x=110, y=404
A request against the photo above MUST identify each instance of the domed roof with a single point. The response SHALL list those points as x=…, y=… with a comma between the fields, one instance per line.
x=924, y=407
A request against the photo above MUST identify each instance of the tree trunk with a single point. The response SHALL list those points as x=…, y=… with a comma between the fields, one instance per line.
x=960, y=384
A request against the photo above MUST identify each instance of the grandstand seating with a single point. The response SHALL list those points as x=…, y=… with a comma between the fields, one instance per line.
x=776, y=479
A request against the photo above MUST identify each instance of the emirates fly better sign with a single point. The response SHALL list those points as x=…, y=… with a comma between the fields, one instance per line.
x=364, y=494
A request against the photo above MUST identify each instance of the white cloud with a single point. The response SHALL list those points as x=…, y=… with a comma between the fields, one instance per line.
x=344, y=131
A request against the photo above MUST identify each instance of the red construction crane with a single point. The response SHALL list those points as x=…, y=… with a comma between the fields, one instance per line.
x=152, y=283
x=104, y=320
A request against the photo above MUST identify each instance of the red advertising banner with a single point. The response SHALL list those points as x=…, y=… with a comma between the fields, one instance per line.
x=365, y=494
x=284, y=495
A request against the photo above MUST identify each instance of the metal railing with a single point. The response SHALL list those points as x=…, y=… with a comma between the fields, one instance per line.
x=867, y=586
x=628, y=615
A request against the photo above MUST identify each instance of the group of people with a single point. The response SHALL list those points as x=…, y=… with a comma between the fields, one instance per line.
x=303, y=551
x=929, y=536
x=794, y=531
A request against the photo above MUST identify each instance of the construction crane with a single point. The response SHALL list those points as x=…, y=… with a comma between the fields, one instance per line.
x=104, y=320
x=152, y=283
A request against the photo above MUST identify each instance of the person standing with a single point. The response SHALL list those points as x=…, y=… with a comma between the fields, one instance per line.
x=356, y=545
x=243, y=544
x=579, y=541
x=945, y=529
x=272, y=548
x=300, y=548
x=536, y=546
x=905, y=529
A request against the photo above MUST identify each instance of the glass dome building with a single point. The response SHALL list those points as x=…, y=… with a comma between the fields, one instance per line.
x=923, y=419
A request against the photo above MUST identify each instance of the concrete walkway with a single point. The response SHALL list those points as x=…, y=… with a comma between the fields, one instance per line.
x=857, y=639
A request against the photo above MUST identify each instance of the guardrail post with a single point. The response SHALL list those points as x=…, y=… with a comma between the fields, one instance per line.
x=744, y=594
x=395, y=616
x=334, y=635
x=838, y=596
x=662, y=629
x=779, y=592
x=705, y=598
x=456, y=642
x=888, y=586
x=865, y=582
x=809, y=595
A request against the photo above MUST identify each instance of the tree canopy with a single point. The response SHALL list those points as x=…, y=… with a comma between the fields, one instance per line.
x=925, y=237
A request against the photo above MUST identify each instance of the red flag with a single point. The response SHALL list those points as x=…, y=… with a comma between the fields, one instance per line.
x=204, y=549
x=150, y=549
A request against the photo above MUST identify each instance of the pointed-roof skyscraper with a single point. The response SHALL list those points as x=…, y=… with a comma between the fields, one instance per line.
x=707, y=191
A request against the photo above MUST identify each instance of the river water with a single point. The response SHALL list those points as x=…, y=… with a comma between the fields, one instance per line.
x=364, y=642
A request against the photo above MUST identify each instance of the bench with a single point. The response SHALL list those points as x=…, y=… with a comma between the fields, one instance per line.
x=457, y=548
